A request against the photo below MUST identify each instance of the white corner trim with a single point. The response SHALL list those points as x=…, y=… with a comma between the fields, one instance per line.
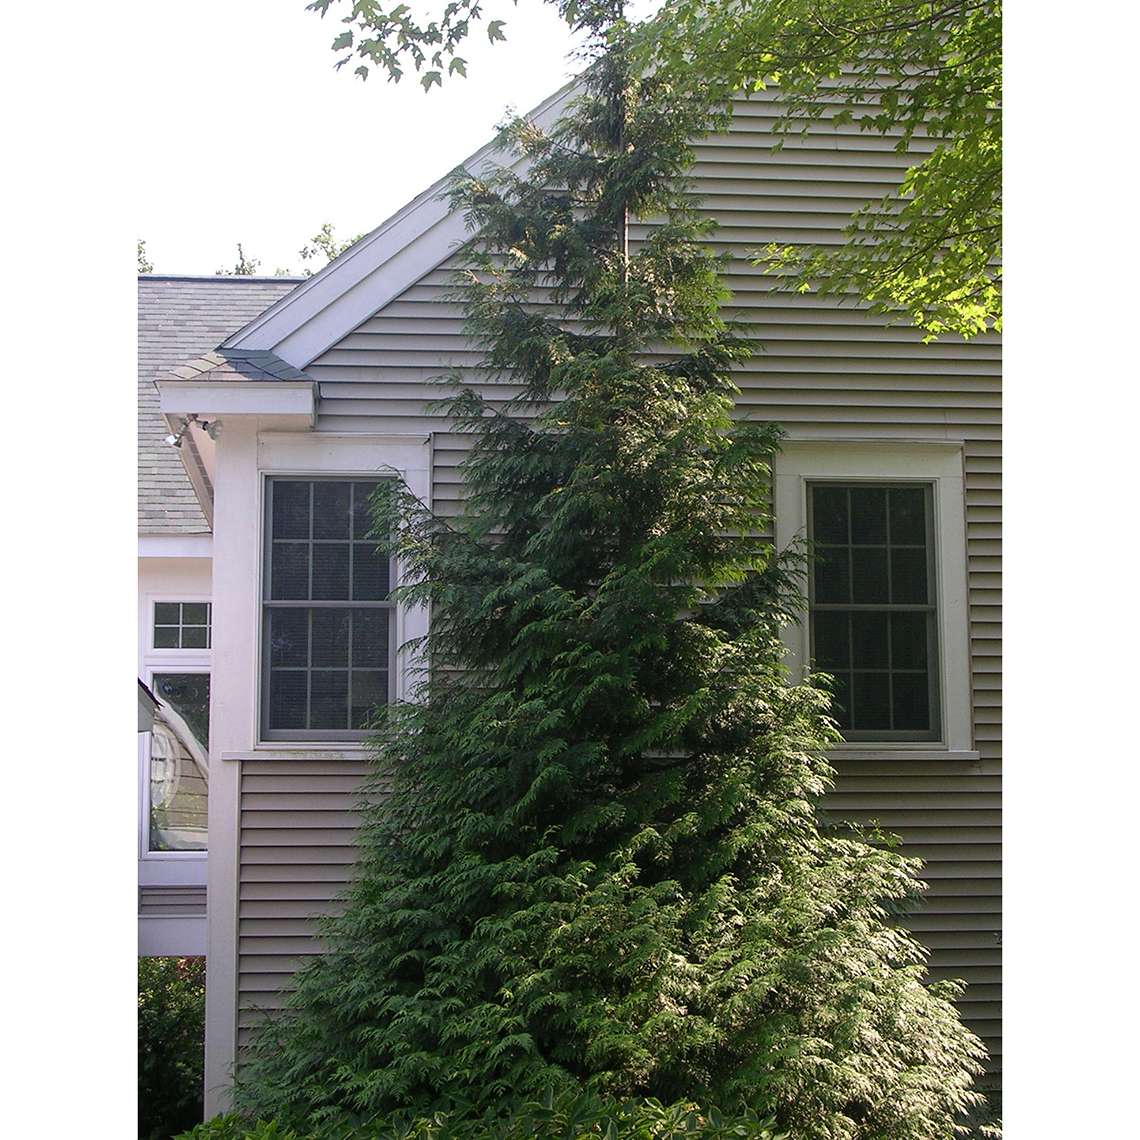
x=941, y=464
x=176, y=545
x=416, y=239
x=240, y=397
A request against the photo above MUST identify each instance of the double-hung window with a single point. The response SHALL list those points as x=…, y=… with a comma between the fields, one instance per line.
x=873, y=606
x=327, y=621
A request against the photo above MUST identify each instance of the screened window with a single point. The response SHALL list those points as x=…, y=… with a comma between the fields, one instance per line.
x=872, y=607
x=182, y=625
x=328, y=622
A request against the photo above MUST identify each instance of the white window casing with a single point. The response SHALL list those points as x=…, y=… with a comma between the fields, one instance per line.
x=801, y=462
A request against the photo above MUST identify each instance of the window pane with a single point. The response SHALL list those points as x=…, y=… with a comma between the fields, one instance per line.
x=370, y=638
x=832, y=650
x=908, y=576
x=869, y=641
x=166, y=613
x=912, y=701
x=287, y=689
x=908, y=515
x=194, y=613
x=831, y=579
x=868, y=575
x=290, y=570
x=369, y=573
x=290, y=509
x=330, y=637
x=908, y=640
x=194, y=637
x=841, y=700
x=166, y=637
x=330, y=510
x=361, y=511
x=288, y=637
x=871, y=701
x=369, y=689
x=330, y=571
x=829, y=514
x=868, y=515
x=328, y=701
x=179, y=762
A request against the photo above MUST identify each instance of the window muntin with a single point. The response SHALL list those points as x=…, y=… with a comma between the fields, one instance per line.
x=182, y=625
x=873, y=614
x=327, y=621
x=177, y=785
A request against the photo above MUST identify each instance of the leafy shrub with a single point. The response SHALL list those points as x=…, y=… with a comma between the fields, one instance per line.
x=562, y=1117
x=171, y=1028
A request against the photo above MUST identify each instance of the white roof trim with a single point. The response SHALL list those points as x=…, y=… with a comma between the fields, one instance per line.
x=238, y=397
x=412, y=242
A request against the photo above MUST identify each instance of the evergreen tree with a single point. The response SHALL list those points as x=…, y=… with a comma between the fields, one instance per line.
x=597, y=861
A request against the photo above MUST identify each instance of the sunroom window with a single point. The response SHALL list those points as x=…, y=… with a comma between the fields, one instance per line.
x=327, y=618
x=873, y=611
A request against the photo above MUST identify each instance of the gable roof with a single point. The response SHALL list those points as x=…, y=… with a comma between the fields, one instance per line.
x=179, y=319
x=379, y=267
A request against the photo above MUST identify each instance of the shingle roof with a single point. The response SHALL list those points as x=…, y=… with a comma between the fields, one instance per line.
x=180, y=319
x=237, y=364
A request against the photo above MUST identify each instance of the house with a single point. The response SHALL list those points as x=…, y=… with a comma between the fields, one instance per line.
x=304, y=393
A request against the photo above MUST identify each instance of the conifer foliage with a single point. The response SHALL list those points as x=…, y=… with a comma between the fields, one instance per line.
x=597, y=864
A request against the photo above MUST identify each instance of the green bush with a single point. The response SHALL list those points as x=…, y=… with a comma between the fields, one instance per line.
x=171, y=1027
x=562, y=1117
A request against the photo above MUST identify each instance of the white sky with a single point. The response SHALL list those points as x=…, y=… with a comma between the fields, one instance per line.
x=245, y=132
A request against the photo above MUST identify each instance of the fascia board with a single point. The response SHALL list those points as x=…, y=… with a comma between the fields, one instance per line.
x=239, y=397
x=415, y=240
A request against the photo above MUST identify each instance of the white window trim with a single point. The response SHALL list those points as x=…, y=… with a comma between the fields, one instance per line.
x=940, y=464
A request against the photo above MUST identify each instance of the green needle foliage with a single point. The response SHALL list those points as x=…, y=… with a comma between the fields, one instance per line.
x=597, y=866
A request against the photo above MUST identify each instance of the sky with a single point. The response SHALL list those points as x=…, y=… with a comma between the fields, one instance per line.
x=246, y=132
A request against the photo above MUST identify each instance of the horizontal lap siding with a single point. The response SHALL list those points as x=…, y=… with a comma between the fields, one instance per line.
x=822, y=367
x=172, y=902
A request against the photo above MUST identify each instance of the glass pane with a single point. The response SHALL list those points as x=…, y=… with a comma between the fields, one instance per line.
x=179, y=763
x=330, y=510
x=328, y=702
x=832, y=649
x=166, y=637
x=871, y=701
x=841, y=700
x=165, y=613
x=912, y=701
x=908, y=641
x=194, y=613
x=868, y=575
x=369, y=689
x=868, y=515
x=361, y=511
x=831, y=583
x=287, y=689
x=289, y=576
x=908, y=515
x=908, y=576
x=290, y=509
x=288, y=637
x=829, y=514
x=330, y=637
x=369, y=573
x=869, y=641
x=194, y=637
x=370, y=638
x=330, y=571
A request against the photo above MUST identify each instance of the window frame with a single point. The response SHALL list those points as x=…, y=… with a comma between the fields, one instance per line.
x=930, y=607
x=265, y=733
x=179, y=601
x=939, y=463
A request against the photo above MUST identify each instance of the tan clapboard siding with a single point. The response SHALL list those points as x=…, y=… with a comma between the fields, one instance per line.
x=823, y=367
x=172, y=902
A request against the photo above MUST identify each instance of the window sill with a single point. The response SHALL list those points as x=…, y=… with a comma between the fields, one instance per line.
x=894, y=750
x=307, y=750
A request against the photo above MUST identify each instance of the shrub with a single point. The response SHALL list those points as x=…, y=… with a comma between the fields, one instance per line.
x=171, y=1028
x=564, y=1117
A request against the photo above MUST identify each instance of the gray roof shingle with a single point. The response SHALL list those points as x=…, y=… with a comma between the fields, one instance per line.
x=183, y=319
x=236, y=364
